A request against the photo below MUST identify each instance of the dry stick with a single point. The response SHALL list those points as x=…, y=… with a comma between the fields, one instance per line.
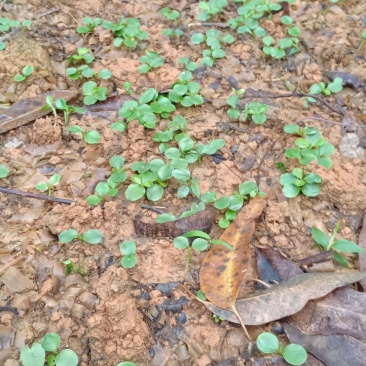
x=290, y=95
x=36, y=196
x=328, y=121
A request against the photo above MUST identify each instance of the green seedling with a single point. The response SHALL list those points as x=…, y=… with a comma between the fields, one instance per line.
x=90, y=236
x=150, y=180
x=177, y=124
x=6, y=25
x=93, y=93
x=61, y=105
x=26, y=72
x=200, y=295
x=172, y=33
x=233, y=102
x=310, y=146
x=190, y=65
x=127, y=86
x=170, y=14
x=83, y=55
x=127, y=363
x=128, y=250
x=295, y=182
x=36, y=355
x=337, y=246
x=185, y=91
x=90, y=137
x=4, y=171
x=118, y=173
x=89, y=25
x=214, y=40
x=210, y=8
x=127, y=32
x=190, y=187
x=233, y=203
x=50, y=185
x=294, y=354
x=333, y=87
x=87, y=72
x=363, y=40
x=195, y=208
x=144, y=111
x=151, y=60
x=102, y=189
x=70, y=267
x=201, y=242
x=247, y=21
x=257, y=112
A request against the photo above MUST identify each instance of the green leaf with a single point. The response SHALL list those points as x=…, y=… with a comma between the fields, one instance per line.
x=50, y=342
x=291, y=128
x=311, y=190
x=336, y=85
x=293, y=153
x=325, y=162
x=165, y=218
x=126, y=363
x=155, y=192
x=102, y=188
x=235, y=203
x=93, y=236
x=128, y=247
x=117, y=162
x=55, y=179
x=105, y=74
x=222, y=203
x=316, y=89
x=230, y=215
x=247, y=187
x=92, y=137
x=144, y=68
x=344, y=245
x=4, y=171
x=186, y=144
x=297, y=172
x=294, y=354
x=180, y=242
x=197, y=38
x=67, y=236
x=149, y=95
x=27, y=70
x=194, y=233
x=290, y=190
x=75, y=129
x=134, y=192
x=181, y=174
x=34, y=356
x=200, y=244
x=19, y=77
x=129, y=261
x=208, y=197
x=224, y=223
x=341, y=259
x=267, y=343
x=287, y=178
x=183, y=192
x=312, y=178
x=43, y=186
x=320, y=237
x=93, y=200
x=67, y=357
x=287, y=20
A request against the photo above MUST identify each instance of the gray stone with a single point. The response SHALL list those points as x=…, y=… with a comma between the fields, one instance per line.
x=349, y=147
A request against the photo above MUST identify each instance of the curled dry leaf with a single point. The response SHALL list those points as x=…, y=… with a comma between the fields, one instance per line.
x=200, y=221
x=287, y=298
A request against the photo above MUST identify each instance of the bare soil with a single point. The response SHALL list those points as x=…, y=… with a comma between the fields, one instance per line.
x=108, y=314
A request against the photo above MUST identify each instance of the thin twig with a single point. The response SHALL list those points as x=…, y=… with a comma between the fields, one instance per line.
x=328, y=121
x=10, y=264
x=36, y=196
x=294, y=94
x=153, y=208
x=209, y=24
x=9, y=308
x=317, y=258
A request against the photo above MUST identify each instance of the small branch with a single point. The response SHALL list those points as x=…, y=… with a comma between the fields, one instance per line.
x=318, y=258
x=9, y=308
x=36, y=196
x=153, y=208
x=291, y=95
x=328, y=121
x=209, y=24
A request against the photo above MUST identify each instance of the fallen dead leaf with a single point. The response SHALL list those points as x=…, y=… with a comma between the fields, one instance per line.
x=286, y=298
x=362, y=256
x=334, y=350
x=223, y=270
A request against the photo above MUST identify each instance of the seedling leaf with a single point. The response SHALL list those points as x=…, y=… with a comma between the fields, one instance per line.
x=50, y=342
x=67, y=357
x=267, y=343
x=34, y=356
x=93, y=236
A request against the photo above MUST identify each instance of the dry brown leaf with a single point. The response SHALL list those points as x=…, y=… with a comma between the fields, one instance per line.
x=334, y=350
x=287, y=298
x=27, y=110
x=223, y=270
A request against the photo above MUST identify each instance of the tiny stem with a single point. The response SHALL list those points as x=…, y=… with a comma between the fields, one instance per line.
x=189, y=254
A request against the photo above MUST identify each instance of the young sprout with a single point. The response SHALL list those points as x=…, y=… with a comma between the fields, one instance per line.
x=50, y=185
x=92, y=92
x=26, y=72
x=90, y=236
x=4, y=171
x=90, y=137
x=128, y=250
x=88, y=25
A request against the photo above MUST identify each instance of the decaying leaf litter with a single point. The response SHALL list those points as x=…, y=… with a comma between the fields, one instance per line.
x=108, y=314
